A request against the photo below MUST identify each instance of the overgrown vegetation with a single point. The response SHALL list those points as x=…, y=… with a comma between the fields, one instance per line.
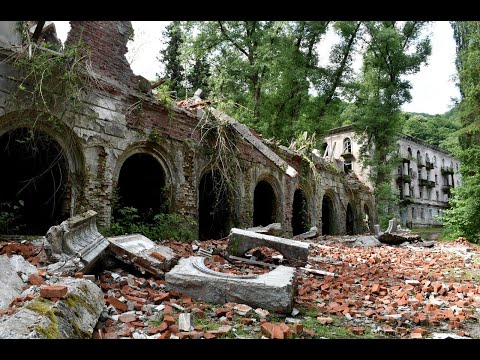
x=462, y=218
x=9, y=214
x=163, y=227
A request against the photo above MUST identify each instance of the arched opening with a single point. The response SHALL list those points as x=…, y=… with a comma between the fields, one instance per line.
x=347, y=146
x=264, y=204
x=409, y=150
x=300, y=213
x=350, y=220
x=368, y=217
x=214, y=207
x=141, y=185
x=35, y=187
x=327, y=215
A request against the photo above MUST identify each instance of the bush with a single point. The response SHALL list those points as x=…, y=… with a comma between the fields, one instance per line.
x=163, y=227
x=9, y=214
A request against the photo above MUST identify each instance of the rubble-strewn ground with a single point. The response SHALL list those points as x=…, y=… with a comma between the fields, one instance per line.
x=406, y=291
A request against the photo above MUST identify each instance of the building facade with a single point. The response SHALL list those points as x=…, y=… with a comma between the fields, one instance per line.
x=423, y=179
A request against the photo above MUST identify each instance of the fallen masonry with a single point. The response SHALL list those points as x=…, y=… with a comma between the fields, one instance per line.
x=75, y=244
x=273, y=291
x=11, y=285
x=240, y=241
x=143, y=254
x=72, y=317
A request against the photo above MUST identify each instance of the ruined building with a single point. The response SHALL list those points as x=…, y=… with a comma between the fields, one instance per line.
x=122, y=142
x=423, y=179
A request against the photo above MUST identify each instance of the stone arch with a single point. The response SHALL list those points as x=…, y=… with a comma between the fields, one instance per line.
x=266, y=202
x=146, y=172
x=215, y=208
x=350, y=220
x=367, y=217
x=300, y=214
x=329, y=214
x=47, y=175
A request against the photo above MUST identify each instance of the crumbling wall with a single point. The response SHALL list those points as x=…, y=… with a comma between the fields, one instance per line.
x=120, y=118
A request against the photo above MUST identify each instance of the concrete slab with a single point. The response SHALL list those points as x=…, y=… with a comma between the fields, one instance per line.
x=11, y=285
x=143, y=253
x=240, y=241
x=273, y=291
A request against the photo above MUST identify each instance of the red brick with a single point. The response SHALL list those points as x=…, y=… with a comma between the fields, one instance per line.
x=247, y=321
x=324, y=320
x=420, y=330
x=416, y=336
x=36, y=279
x=111, y=335
x=375, y=289
x=165, y=335
x=222, y=312
x=297, y=328
x=53, y=291
x=126, y=318
x=173, y=329
x=209, y=335
x=267, y=329
x=117, y=304
x=169, y=320
x=158, y=329
x=157, y=256
x=358, y=330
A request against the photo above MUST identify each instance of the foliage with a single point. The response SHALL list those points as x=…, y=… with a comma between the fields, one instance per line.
x=51, y=82
x=163, y=227
x=462, y=218
x=438, y=130
x=9, y=214
x=395, y=49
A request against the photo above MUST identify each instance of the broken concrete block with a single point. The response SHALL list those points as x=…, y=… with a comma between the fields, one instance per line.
x=312, y=233
x=273, y=291
x=11, y=285
x=271, y=229
x=143, y=253
x=19, y=264
x=240, y=241
x=185, y=322
x=77, y=236
x=73, y=317
x=367, y=241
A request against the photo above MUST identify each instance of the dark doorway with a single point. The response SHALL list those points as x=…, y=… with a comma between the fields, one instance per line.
x=214, y=208
x=327, y=216
x=300, y=213
x=141, y=185
x=34, y=186
x=350, y=220
x=264, y=204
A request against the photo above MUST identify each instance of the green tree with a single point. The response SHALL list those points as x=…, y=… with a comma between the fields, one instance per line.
x=394, y=49
x=462, y=218
x=171, y=58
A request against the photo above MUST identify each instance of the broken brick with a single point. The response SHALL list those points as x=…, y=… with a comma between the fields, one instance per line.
x=53, y=291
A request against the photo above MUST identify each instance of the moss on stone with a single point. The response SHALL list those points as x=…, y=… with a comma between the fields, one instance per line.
x=74, y=302
x=43, y=307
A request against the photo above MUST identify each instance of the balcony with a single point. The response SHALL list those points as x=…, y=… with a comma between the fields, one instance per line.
x=404, y=177
x=406, y=199
x=446, y=188
x=347, y=156
x=429, y=165
x=426, y=182
x=447, y=170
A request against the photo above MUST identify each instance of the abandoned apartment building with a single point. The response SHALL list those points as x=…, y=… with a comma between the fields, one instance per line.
x=123, y=142
x=423, y=180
